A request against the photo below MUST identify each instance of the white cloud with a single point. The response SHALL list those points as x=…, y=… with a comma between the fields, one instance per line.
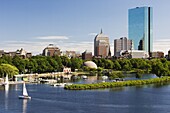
x=92, y=34
x=53, y=37
x=162, y=45
x=77, y=46
x=162, y=40
x=37, y=47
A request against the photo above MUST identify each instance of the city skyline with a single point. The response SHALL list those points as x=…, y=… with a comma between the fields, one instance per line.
x=72, y=25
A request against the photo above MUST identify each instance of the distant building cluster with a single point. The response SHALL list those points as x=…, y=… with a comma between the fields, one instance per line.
x=70, y=54
x=52, y=50
x=21, y=53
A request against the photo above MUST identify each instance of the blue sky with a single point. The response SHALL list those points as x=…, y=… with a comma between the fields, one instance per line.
x=73, y=24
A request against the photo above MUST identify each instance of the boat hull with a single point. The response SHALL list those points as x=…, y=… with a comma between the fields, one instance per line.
x=24, y=97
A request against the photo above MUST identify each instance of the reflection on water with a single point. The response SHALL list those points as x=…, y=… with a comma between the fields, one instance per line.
x=24, y=106
x=16, y=87
x=6, y=87
x=118, y=88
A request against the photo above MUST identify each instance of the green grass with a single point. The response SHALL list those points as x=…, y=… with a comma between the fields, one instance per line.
x=117, y=84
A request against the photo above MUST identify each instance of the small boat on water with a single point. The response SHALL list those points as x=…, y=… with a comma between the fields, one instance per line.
x=25, y=93
x=61, y=84
x=84, y=77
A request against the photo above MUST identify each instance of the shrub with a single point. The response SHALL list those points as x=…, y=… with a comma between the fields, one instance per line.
x=117, y=84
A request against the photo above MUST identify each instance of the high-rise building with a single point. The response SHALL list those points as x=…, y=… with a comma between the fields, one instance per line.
x=101, y=46
x=121, y=44
x=140, y=28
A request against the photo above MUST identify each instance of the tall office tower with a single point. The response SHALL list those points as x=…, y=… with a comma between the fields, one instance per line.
x=121, y=44
x=141, y=28
x=101, y=46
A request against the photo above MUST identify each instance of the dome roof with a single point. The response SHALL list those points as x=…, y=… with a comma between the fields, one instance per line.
x=90, y=64
x=101, y=35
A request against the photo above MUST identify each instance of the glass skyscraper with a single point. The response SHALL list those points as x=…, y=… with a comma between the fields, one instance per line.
x=140, y=28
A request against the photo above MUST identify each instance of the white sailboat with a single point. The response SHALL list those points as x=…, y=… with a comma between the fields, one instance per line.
x=25, y=93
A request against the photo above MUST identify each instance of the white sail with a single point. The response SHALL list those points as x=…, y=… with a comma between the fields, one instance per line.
x=6, y=79
x=25, y=94
x=24, y=90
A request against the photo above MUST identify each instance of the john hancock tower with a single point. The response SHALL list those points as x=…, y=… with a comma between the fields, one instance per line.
x=141, y=28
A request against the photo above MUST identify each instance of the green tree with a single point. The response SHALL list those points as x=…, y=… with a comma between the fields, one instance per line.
x=59, y=61
x=139, y=73
x=159, y=69
x=8, y=69
x=66, y=61
x=125, y=64
x=101, y=62
x=116, y=65
x=53, y=63
x=3, y=61
x=33, y=66
x=7, y=59
x=108, y=64
x=19, y=63
x=76, y=63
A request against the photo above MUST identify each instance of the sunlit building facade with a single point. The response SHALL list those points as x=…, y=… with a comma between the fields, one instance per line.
x=51, y=50
x=121, y=44
x=101, y=46
x=87, y=55
x=140, y=28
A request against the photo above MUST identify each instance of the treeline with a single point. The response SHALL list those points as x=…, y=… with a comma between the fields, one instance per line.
x=43, y=64
x=160, y=67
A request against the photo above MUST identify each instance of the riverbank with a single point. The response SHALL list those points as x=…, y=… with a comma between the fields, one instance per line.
x=117, y=84
x=12, y=82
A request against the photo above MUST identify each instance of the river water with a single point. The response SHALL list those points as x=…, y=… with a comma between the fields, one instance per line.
x=48, y=99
